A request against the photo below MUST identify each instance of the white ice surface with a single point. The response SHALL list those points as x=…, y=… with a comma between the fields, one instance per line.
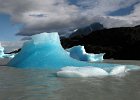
x=89, y=71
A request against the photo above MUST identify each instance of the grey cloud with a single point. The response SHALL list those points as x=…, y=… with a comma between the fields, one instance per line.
x=26, y=38
x=38, y=15
x=61, y=15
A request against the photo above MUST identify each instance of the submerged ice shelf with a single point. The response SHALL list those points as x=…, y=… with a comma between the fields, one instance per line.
x=45, y=51
x=79, y=53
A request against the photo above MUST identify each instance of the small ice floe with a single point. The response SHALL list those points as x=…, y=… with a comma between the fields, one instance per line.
x=89, y=71
x=79, y=53
x=1, y=51
x=2, y=55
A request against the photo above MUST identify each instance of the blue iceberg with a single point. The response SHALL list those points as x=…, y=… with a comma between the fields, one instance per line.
x=79, y=53
x=45, y=51
x=2, y=55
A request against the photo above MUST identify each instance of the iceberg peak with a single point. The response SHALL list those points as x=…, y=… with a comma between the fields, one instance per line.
x=48, y=38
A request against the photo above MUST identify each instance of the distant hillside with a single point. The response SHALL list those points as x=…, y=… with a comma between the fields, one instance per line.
x=117, y=43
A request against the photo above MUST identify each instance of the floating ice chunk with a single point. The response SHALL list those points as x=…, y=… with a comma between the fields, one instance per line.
x=2, y=55
x=1, y=51
x=70, y=71
x=81, y=72
x=79, y=53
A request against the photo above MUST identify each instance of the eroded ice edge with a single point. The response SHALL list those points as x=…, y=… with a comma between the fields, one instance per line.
x=79, y=53
x=45, y=51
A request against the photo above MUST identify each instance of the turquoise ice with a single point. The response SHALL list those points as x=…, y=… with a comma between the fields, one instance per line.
x=79, y=53
x=45, y=51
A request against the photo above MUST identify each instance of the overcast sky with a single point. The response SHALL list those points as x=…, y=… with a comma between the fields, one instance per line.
x=28, y=17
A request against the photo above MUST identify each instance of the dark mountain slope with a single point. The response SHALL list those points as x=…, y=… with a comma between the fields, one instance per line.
x=117, y=43
x=88, y=29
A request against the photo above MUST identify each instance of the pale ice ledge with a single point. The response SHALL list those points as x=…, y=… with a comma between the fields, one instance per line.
x=89, y=71
x=45, y=51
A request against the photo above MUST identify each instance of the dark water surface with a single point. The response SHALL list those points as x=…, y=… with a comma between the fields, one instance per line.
x=23, y=84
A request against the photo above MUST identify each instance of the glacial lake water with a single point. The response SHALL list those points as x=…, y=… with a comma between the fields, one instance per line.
x=27, y=84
